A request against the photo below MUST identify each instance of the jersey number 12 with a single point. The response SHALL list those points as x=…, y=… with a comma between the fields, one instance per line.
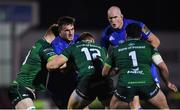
x=91, y=53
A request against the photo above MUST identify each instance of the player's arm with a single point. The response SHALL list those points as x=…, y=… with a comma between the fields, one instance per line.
x=103, y=42
x=63, y=66
x=106, y=69
x=157, y=59
x=56, y=62
x=153, y=39
x=149, y=36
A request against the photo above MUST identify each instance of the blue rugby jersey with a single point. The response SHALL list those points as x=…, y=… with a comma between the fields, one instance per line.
x=115, y=37
x=59, y=44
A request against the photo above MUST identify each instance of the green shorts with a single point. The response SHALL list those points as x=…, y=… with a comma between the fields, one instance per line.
x=90, y=87
x=127, y=93
x=18, y=92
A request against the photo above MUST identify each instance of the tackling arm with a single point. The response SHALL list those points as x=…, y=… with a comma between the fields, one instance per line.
x=105, y=70
x=108, y=71
x=56, y=62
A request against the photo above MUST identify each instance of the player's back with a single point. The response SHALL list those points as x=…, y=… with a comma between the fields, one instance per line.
x=83, y=53
x=134, y=58
x=34, y=64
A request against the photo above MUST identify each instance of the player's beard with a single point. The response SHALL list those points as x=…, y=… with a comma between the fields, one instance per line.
x=70, y=37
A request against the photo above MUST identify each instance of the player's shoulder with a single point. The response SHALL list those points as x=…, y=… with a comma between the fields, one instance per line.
x=76, y=35
x=99, y=47
x=73, y=46
x=132, y=20
x=144, y=43
x=108, y=30
x=41, y=42
x=129, y=21
x=40, y=45
x=58, y=39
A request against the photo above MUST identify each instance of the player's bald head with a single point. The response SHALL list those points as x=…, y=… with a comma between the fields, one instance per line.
x=114, y=10
x=115, y=17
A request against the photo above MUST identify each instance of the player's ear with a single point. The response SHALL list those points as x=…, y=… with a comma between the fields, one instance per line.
x=122, y=15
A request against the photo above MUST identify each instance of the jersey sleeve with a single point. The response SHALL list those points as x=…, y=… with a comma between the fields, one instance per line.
x=145, y=32
x=154, y=50
x=104, y=41
x=67, y=53
x=47, y=52
x=103, y=55
x=109, y=61
x=156, y=57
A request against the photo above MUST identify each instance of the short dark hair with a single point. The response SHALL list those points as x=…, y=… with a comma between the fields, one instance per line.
x=133, y=30
x=85, y=36
x=65, y=20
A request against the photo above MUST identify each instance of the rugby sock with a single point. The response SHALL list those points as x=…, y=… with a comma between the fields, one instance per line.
x=31, y=108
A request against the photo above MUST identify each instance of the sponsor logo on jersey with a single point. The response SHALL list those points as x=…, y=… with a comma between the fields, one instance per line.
x=135, y=71
x=90, y=67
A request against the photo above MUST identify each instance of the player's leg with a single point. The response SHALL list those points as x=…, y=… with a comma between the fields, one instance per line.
x=76, y=100
x=159, y=100
x=135, y=104
x=154, y=95
x=105, y=91
x=60, y=87
x=26, y=103
x=21, y=97
x=106, y=103
x=123, y=95
x=117, y=103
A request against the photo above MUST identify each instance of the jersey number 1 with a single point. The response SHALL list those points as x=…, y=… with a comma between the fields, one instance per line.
x=132, y=54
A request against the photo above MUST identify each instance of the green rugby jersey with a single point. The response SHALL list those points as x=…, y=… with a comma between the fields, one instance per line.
x=133, y=58
x=34, y=65
x=82, y=53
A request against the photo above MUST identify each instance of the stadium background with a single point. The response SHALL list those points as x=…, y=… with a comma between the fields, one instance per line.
x=24, y=21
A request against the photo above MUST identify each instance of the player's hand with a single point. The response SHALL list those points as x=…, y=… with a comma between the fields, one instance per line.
x=172, y=87
x=114, y=71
